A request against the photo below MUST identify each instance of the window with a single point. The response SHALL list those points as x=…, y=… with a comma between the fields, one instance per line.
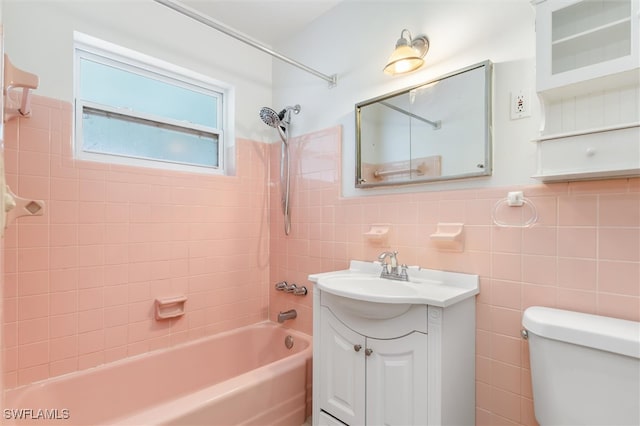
x=137, y=110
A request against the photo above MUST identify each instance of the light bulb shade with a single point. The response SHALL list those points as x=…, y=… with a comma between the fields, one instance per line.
x=404, y=59
x=408, y=54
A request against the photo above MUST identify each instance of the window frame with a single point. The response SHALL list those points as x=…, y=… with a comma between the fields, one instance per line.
x=100, y=51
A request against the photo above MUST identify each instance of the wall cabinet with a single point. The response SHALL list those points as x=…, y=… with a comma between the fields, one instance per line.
x=588, y=78
x=582, y=40
x=417, y=368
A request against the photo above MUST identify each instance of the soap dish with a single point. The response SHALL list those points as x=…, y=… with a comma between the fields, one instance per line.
x=170, y=307
x=449, y=237
x=378, y=234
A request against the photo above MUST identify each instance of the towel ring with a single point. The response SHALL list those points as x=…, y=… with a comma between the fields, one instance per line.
x=515, y=199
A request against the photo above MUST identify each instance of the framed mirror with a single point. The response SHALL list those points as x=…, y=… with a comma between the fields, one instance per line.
x=436, y=131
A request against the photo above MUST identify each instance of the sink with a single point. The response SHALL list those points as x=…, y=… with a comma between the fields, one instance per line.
x=362, y=282
x=368, y=296
x=368, y=287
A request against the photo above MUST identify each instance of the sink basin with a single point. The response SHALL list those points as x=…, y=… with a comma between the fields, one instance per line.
x=425, y=286
x=369, y=296
x=369, y=287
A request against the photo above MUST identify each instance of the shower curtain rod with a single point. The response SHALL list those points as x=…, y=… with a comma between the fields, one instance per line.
x=435, y=124
x=193, y=14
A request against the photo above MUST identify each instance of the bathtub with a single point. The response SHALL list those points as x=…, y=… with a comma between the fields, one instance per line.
x=243, y=377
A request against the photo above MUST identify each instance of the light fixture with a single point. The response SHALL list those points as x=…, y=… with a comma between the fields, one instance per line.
x=408, y=54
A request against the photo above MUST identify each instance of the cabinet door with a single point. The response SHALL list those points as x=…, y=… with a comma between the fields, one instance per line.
x=327, y=420
x=342, y=370
x=397, y=381
x=579, y=40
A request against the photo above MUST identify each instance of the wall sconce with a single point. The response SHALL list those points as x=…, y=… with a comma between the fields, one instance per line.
x=408, y=55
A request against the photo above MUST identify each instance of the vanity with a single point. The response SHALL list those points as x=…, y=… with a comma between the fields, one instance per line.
x=393, y=352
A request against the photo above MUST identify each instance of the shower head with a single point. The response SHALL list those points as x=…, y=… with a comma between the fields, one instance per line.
x=270, y=117
x=275, y=119
x=280, y=121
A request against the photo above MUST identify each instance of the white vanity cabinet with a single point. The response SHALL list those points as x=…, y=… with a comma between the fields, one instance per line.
x=393, y=353
x=588, y=79
x=372, y=381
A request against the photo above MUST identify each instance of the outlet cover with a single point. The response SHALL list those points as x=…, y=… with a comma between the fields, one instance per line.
x=520, y=106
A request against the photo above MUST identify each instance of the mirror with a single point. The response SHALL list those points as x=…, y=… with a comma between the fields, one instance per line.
x=439, y=130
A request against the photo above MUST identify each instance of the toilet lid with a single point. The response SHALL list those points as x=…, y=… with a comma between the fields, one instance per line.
x=595, y=331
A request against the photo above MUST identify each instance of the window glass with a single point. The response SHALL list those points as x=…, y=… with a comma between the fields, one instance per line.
x=108, y=85
x=116, y=134
x=133, y=109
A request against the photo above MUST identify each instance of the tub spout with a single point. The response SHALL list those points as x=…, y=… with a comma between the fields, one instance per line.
x=287, y=315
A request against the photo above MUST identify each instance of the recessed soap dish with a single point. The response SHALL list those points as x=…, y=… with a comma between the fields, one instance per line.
x=170, y=307
x=449, y=237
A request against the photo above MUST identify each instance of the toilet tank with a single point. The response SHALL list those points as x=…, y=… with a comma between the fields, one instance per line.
x=585, y=369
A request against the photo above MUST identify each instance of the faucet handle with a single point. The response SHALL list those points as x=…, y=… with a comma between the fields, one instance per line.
x=300, y=291
x=403, y=272
x=394, y=259
x=291, y=288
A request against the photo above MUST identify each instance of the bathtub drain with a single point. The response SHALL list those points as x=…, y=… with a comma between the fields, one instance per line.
x=288, y=341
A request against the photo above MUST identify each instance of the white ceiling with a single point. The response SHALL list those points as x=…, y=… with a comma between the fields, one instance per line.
x=267, y=21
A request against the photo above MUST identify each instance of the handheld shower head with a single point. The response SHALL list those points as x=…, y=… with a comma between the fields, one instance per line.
x=275, y=119
x=270, y=117
x=281, y=121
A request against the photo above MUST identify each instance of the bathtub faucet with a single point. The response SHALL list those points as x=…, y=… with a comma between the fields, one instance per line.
x=287, y=315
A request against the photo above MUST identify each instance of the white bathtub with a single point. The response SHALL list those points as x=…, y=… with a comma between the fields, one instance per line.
x=245, y=376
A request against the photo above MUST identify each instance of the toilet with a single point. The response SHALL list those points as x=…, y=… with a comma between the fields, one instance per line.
x=585, y=369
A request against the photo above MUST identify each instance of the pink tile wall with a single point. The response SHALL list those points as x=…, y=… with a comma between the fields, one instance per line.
x=583, y=254
x=80, y=281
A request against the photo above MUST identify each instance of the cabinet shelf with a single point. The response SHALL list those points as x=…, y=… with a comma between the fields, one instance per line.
x=591, y=31
x=583, y=40
x=574, y=17
x=599, y=45
x=556, y=136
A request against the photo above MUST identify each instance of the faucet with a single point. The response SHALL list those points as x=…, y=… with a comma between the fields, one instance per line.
x=393, y=257
x=287, y=315
x=392, y=273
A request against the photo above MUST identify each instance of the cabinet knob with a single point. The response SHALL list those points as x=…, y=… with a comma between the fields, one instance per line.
x=368, y=351
x=357, y=348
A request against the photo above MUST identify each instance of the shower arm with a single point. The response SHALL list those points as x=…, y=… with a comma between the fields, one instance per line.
x=203, y=19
